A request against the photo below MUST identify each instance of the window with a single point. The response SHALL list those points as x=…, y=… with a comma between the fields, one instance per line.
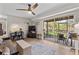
x=58, y=25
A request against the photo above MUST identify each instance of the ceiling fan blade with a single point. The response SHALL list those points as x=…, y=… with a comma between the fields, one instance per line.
x=33, y=13
x=22, y=9
x=35, y=6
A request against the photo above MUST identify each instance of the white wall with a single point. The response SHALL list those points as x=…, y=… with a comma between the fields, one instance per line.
x=18, y=22
x=1, y=8
x=39, y=28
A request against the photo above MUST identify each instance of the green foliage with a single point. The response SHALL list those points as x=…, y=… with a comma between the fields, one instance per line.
x=52, y=25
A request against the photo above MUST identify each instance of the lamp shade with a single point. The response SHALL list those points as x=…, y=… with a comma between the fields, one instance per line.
x=76, y=28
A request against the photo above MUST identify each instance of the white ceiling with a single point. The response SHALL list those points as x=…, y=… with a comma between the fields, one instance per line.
x=44, y=9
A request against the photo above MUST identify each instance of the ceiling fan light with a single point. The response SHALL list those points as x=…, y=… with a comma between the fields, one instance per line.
x=29, y=12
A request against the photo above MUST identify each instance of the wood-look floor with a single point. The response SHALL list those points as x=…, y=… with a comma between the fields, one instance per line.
x=60, y=49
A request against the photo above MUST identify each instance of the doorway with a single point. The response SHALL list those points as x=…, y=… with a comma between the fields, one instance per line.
x=1, y=30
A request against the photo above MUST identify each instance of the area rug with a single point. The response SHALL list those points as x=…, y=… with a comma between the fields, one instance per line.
x=41, y=49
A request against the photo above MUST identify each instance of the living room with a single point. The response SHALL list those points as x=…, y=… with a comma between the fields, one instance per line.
x=22, y=30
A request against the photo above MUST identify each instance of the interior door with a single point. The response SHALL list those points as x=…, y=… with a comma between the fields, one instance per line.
x=1, y=31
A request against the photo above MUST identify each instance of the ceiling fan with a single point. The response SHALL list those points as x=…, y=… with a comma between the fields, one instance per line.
x=30, y=8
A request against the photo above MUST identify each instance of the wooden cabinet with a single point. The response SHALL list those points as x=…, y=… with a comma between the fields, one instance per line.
x=31, y=32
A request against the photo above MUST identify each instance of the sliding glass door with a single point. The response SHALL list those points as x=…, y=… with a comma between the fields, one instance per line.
x=52, y=28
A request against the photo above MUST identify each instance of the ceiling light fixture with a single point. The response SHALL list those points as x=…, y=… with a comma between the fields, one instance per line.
x=29, y=12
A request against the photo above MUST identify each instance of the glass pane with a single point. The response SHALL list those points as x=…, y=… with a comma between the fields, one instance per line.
x=50, y=28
